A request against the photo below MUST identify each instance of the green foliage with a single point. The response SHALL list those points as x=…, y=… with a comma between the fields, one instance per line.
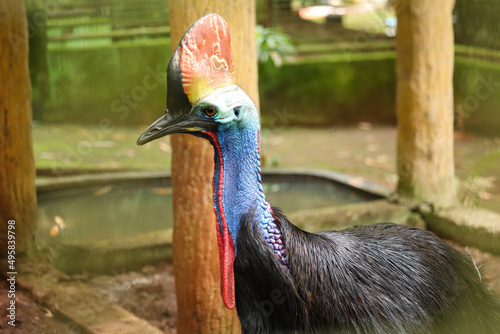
x=274, y=46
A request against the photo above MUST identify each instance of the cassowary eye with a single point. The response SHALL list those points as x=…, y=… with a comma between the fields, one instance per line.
x=236, y=111
x=209, y=111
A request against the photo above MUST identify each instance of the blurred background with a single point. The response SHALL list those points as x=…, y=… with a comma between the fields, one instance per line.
x=105, y=58
x=98, y=76
x=327, y=87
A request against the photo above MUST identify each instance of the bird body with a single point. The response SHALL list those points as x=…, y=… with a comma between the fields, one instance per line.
x=382, y=278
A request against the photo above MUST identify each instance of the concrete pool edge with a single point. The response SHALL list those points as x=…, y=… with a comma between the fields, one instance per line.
x=475, y=227
x=356, y=182
x=463, y=225
x=47, y=184
x=94, y=178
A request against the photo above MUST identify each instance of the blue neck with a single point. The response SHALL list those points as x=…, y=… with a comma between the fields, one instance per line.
x=242, y=193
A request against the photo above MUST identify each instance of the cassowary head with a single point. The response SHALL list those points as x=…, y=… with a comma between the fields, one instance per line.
x=202, y=95
x=204, y=100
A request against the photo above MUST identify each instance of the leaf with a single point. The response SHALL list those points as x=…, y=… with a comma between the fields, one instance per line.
x=273, y=45
x=54, y=231
x=60, y=222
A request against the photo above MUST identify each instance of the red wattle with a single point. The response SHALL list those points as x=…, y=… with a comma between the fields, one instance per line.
x=224, y=239
x=226, y=258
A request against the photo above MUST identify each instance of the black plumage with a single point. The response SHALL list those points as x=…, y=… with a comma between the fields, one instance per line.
x=382, y=278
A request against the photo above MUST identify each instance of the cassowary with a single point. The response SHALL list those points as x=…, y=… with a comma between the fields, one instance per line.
x=383, y=278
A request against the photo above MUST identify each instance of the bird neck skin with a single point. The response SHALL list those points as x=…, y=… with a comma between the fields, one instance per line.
x=238, y=188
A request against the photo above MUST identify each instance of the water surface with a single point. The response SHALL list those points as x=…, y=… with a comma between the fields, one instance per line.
x=115, y=211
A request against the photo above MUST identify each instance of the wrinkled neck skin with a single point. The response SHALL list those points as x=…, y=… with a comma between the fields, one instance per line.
x=242, y=191
x=237, y=182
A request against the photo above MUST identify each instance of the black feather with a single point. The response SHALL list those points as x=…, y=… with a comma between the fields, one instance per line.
x=382, y=278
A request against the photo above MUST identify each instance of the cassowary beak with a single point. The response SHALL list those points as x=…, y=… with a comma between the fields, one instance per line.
x=166, y=125
x=201, y=63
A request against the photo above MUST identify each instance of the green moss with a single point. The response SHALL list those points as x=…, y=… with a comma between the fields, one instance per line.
x=322, y=47
x=348, y=88
x=124, y=83
x=477, y=96
x=328, y=92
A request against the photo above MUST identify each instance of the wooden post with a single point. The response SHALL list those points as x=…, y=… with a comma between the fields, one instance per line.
x=17, y=166
x=424, y=101
x=196, y=259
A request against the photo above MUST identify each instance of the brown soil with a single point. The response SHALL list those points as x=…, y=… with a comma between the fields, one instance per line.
x=31, y=318
x=149, y=293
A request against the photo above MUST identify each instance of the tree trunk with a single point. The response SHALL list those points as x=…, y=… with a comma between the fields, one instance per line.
x=424, y=101
x=196, y=259
x=17, y=167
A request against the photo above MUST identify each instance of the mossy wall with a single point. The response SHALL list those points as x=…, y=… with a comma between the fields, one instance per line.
x=328, y=93
x=477, y=96
x=125, y=82
x=336, y=93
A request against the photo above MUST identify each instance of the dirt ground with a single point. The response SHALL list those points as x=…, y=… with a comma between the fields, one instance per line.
x=149, y=293
x=365, y=150
x=31, y=318
x=369, y=151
